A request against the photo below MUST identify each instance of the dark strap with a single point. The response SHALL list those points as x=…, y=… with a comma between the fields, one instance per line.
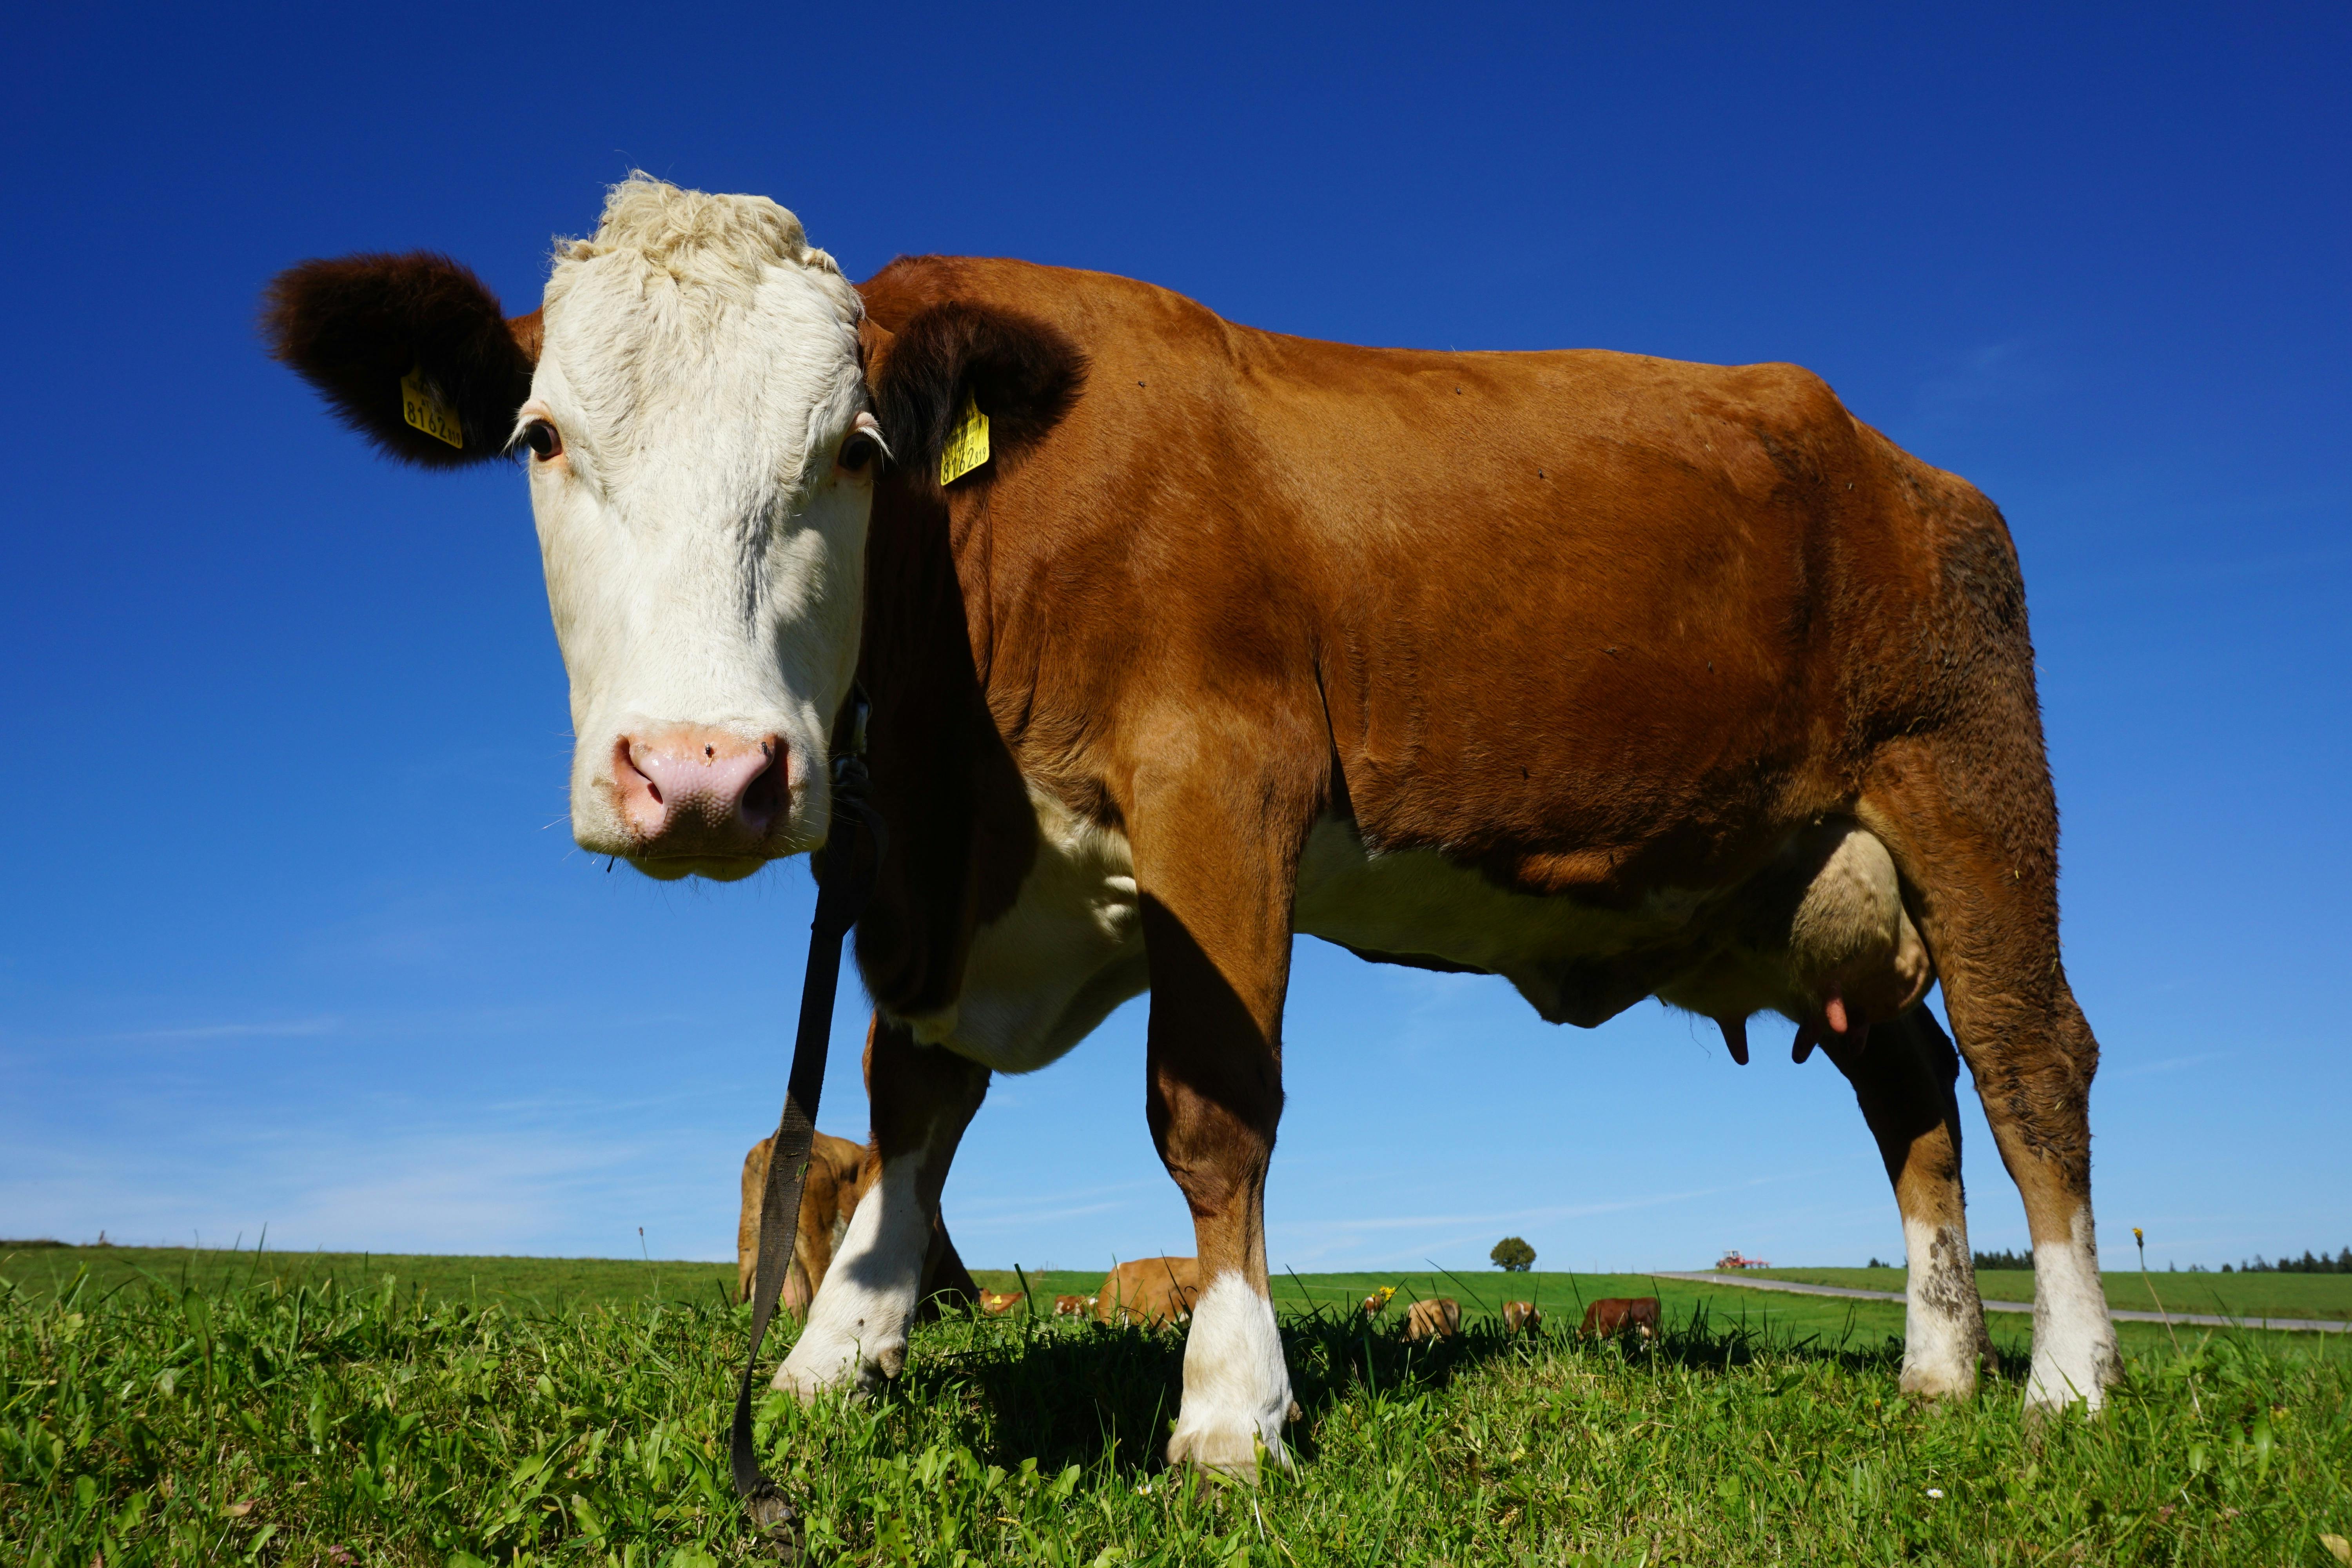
x=842, y=893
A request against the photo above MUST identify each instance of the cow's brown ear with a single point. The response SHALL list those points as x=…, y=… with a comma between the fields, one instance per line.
x=1021, y=372
x=410, y=351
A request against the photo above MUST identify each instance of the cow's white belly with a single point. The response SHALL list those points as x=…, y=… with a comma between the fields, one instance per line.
x=1417, y=902
x=1038, y=979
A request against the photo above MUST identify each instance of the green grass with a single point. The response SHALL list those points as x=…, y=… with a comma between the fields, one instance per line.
x=321, y=1420
x=2229, y=1295
x=1561, y=1296
x=527, y=1284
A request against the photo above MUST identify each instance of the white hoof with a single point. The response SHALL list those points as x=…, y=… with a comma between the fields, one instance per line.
x=2075, y=1354
x=1943, y=1318
x=1237, y=1388
x=857, y=1333
x=860, y=1369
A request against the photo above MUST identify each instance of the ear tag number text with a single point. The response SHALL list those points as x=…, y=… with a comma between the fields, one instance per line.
x=422, y=406
x=967, y=446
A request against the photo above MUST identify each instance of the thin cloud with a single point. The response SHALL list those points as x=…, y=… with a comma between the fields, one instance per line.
x=2169, y=1064
x=278, y=1029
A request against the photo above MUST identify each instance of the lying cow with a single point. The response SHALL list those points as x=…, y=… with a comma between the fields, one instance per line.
x=1151, y=1291
x=1620, y=1314
x=1612, y=676
x=839, y=1174
x=1521, y=1316
x=1439, y=1318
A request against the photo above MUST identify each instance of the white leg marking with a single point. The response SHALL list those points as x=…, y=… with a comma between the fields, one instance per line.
x=1942, y=1318
x=1236, y=1387
x=2073, y=1339
x=858, y=1325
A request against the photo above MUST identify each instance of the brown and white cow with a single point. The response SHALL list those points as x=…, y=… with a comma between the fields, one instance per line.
x=839, y=1174
x=1521, y=1316
x=1620, y=1314
x=1073, y=1306
x=1151, y=1291
x=1613, y=676
x=1438, y=1318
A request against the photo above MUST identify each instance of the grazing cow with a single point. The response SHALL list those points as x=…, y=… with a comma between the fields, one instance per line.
x=1378, y=1301
x=1073, y=1306
x=828, y=1200
x=1521, y=1316
x=1438, y=1318
x=839, y=1174
x=1620, y=1314
x=1612, y=676
x=1151, y=1291
x=995, y=1303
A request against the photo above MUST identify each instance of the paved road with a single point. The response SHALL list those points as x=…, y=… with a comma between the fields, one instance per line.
x=2308, y=1325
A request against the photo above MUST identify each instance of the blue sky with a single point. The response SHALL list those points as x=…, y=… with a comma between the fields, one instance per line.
x=293, y=933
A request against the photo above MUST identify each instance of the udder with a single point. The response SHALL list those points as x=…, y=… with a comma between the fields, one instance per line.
x=1820, y=935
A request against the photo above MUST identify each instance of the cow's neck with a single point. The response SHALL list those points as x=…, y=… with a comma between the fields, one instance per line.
x=1006, y=924
x=962, y=834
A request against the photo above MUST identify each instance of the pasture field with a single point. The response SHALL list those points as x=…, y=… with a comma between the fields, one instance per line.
x=534, y=1286
x=2228, y=1295
x=254, y=1414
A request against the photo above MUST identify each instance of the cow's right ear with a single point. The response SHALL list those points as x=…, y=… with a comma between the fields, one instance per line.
x=410, y=351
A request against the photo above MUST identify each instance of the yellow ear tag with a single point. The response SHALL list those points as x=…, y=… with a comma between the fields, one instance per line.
x=967, y=446
x=423, y=407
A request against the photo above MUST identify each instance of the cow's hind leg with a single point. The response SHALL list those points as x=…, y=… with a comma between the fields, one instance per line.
x=1975, y=835
x=923, y=1097
x=1903, y=1078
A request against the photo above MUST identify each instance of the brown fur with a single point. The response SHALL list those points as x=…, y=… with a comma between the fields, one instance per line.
x=352, y=327
x=1521, y=1316
x=1439, y=1318
x=1620, y=1315
x=1705, y=608
x=1073, y=1306
x=1150, y=1290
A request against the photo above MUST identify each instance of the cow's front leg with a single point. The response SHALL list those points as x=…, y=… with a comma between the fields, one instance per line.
x=1216, y=928
x=923, y=1097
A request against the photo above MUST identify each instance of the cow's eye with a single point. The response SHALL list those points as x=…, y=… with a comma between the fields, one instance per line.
x=858, y=450
x=542, y=441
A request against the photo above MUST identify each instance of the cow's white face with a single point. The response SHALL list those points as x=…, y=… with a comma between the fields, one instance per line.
x=702, y=469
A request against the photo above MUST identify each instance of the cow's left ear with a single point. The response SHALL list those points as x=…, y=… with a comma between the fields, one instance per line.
x=410, y=351
x=1020, y=372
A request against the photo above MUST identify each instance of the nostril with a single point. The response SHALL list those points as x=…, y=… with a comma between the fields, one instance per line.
x=635, y=792
x=763, y=797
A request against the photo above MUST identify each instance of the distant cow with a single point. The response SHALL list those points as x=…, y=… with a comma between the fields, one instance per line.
x=1378, y=1301
x=839, y=1172
x=1150, y=1290
x=997, y=1302
x=1072, y=1306
x=1439, y=1318
x=1618, y=1314
x=1521, y=1316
